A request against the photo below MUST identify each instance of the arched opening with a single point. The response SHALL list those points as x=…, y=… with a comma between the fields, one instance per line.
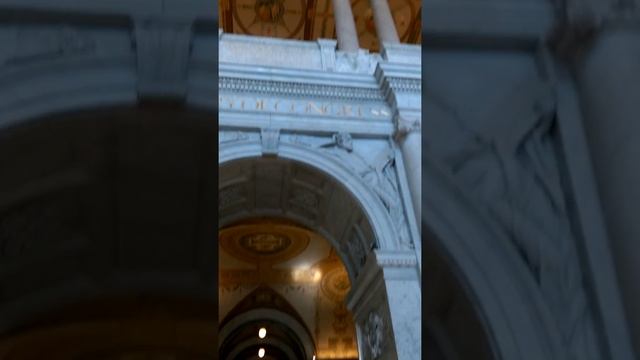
x=292, y=240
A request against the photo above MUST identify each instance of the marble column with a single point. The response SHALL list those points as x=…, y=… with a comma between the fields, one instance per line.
x=345, y=26
x=385, y=25
x=608, y=79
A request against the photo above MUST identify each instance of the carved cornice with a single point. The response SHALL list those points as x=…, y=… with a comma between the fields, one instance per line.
x=403, y=259
x=399, y=79
x=299, y=89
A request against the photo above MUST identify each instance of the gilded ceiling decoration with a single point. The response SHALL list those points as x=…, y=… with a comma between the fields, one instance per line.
x=313, y=19
x=265, y=242
x=276, y=264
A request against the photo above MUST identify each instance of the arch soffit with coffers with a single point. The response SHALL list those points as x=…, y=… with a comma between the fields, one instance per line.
x=372, y=207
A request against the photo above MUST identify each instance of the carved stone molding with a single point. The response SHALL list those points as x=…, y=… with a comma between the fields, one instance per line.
x=396, y=259
x=298, y=89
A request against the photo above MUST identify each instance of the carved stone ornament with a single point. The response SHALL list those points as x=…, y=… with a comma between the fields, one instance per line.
x=360, y=62
x=270, y=141
x=374, y=332
x=297, y=90
x=378, y=171
x=407, y=124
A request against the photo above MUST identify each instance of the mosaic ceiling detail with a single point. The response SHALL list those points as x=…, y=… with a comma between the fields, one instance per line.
x=313, y=19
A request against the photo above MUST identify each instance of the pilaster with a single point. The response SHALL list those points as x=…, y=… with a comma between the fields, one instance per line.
x=399, y=76
x=386, y=304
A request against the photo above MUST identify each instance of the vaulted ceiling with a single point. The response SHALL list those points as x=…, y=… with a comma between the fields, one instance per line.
x=313, y=19
x=283, y=266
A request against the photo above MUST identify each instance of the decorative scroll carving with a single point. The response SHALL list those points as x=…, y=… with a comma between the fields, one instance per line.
x=375, y=333
x=342, y=141
x=511, y=168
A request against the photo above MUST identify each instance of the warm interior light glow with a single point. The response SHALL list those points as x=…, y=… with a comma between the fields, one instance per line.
x=261, y=353
x=305, y=274
x=262, y=333
x=314, y=357
x=317, y=275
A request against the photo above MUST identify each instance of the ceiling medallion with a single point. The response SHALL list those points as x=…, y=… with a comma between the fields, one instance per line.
x=264, y=242
x=273, y=18
x=335, y=284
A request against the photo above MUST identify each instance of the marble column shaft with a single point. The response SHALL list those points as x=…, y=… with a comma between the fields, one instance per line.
x=411, y=147
x=385, y=25
x=345, y=26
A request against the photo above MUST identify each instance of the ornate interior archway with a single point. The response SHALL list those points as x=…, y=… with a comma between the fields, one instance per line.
x=321, y=193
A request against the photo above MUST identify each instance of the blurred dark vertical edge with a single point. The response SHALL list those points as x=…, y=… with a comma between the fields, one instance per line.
x=422, y=223
x=215, y=173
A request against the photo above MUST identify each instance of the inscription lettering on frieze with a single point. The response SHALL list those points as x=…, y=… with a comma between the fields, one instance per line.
x=304, y=107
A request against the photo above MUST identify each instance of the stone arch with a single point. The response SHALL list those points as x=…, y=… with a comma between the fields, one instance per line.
x=384, y=308
x=494, y=278
x=370, y=205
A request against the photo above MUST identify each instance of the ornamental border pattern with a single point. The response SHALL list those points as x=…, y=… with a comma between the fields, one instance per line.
x=405, y=85
x=295, y=89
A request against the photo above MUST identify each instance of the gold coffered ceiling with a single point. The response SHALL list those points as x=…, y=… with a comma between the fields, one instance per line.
x=313, y=19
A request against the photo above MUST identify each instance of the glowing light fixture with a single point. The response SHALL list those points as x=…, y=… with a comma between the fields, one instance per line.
x=262, y=333
x=261, y=353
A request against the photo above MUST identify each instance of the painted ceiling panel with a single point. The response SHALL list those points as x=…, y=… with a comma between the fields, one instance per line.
x=313, y=19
